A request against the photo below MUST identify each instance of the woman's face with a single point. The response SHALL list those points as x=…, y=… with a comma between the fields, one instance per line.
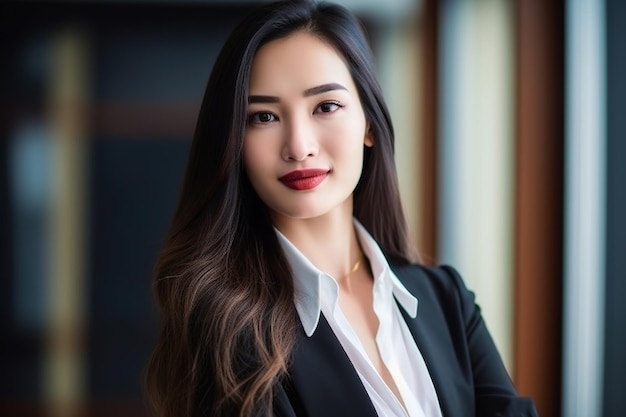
x=303, y=146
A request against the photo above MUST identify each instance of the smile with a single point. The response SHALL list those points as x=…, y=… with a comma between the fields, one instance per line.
x=304, y=179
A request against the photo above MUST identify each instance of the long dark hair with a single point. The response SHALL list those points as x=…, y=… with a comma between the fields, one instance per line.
x=223, y=285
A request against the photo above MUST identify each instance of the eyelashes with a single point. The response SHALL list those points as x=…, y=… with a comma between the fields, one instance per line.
x=262, y=117
x=329, y=106
x=267, y=117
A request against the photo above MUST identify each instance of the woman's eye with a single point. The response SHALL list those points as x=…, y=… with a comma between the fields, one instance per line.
x=261, y=117
x=328, y=107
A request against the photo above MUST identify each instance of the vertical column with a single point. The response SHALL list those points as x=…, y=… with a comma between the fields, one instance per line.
x=64, y=383
x=397, y=56
x=614, y=402
x=585, y=143
x=539, y=201
x=476, y=155
x=428, y=132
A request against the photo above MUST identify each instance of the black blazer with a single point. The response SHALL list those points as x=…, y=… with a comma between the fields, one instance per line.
x=468, y=374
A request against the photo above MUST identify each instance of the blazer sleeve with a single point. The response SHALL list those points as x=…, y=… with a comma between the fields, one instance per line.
x=495, y=394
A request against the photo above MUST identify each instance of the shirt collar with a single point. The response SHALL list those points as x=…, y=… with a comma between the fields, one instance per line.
x=307, y=279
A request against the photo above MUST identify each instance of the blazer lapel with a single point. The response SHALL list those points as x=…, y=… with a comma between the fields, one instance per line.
x=430, y=331
x=322, y=379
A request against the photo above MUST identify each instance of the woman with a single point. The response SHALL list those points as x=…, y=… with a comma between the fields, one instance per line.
x=286, y=285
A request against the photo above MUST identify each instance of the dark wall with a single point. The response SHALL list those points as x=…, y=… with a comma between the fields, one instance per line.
x=615, y=330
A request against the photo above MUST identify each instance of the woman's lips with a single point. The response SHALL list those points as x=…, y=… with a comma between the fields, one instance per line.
x=304, y=179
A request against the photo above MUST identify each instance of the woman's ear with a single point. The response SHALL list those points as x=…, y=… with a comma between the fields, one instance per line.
x=368, y=140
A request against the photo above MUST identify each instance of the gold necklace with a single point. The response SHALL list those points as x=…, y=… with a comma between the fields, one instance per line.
x=356, y=266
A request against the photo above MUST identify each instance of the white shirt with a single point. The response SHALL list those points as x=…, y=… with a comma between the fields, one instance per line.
x=317, y=292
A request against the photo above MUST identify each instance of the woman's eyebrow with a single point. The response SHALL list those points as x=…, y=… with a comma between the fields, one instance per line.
x=263, y=99
x=306, y=93
x=323, y=89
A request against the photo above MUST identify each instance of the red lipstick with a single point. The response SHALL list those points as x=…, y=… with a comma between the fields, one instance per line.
x=304, y=179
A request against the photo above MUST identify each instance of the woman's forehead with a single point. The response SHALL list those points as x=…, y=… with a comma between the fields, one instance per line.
x=297, y=62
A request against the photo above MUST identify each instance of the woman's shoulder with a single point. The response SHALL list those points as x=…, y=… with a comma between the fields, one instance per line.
x=439, y=285
x=441, y=277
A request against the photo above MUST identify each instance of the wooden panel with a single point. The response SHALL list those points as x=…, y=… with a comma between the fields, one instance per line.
x=428, y=198
x=539, y=202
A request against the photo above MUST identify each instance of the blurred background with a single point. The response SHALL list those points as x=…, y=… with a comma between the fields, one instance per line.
x=511, y=138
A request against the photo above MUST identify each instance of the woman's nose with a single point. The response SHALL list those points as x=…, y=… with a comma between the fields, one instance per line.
x=300, y=141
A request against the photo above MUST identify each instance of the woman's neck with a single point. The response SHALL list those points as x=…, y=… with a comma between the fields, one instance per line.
x=329, y=242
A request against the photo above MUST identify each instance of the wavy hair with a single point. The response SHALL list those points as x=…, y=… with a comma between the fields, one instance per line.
x=222, y=283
